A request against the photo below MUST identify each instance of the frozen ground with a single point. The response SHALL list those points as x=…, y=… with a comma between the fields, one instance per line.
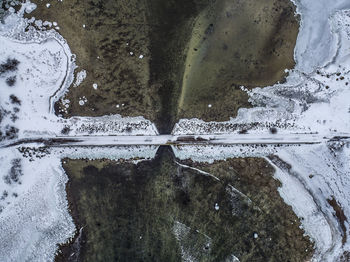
x=36, y=69
x=314, y=101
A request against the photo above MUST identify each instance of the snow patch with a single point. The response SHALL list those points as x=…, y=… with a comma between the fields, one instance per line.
x=81, y=75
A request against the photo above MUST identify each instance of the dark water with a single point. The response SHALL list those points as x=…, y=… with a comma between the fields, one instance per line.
x=158, y=210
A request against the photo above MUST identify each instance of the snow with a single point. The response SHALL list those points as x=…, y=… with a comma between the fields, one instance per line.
x=28, y=7
x=317, y=41
x=308, y=196
x=312, y=105
x=217, y=207
x=189, y=242
x=110, y=125
x=81, y=75
x=107, y=152
x=210, y=153
x=34, y=215
x=32, y=223
x=82, y=100
x=313, y=100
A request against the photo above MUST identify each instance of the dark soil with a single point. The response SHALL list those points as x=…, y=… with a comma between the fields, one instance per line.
x=128, y=212
x=196, y=53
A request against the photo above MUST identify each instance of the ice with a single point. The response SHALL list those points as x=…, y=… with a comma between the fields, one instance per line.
x=33, y=222
x=314, y=99
x=316, y=44
x=34, y=215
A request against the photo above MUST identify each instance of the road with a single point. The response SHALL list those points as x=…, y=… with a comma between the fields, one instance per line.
x=222, y=139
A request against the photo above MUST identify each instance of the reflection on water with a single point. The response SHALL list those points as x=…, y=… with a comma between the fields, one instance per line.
x=164, y=210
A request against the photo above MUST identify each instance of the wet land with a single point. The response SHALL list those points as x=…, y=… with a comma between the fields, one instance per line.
x=233, y=44
x=167, y=60
x=163, y=210
x=195, y=55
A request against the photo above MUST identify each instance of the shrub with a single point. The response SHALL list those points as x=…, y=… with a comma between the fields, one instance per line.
x=65, y=130
x=4, y=195
x=14, y=117
x=9, y=66
x=15, y=172
x=11, y=81
x=273, y=130
x=11, y=132
x=15, y=100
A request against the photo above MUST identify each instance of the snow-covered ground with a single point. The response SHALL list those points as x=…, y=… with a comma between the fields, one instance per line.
x=315, y=100
x=37, y=68
x=34, y=215
x=40, y=69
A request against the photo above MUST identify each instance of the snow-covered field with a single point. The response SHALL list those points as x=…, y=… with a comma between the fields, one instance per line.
x=315, y=99
x=37, y=69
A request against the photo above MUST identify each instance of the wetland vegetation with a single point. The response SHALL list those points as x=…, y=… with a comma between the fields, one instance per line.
x=167, y=60
x=165, y=210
